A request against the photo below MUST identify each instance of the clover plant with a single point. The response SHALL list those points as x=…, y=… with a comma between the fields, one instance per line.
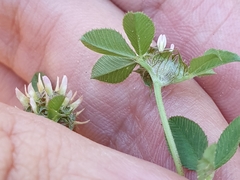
x=160, y=66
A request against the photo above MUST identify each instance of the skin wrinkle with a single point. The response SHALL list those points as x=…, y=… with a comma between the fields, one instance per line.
x=143, y=140
x=120, y=139
x=218, y=22
x=200, y=2
x=90, y=171
x=26, y=152
x=7, y=74
x=125, y=142
x=49, y=159
x=73, y=163
x=56, y=172
x=136, y=141
x=117, y=132
x=15, y=24
x=6, y=156
x=6, y=133
x=98, y=133
x=52, y=30
x=7, y=37
x=18, y=15
x=6, y=161
x=145, y=130
x=7, y=129
x=142, y=144
x=140, y=107
x=230, y=111
x=218, y=28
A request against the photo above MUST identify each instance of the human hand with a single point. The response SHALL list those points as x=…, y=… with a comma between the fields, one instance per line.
x=44, y=37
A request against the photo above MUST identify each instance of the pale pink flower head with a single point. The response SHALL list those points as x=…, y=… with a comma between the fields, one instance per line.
x=62, y=105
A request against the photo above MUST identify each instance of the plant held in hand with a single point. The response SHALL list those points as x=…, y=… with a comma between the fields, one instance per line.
x=40, y=98
x=160, y=66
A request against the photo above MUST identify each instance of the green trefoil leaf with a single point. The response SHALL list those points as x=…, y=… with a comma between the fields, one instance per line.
x=212, y=58
x=190, y=140
x=107, y=41
x=112, y=69
x=228, y=143
x=140, y=31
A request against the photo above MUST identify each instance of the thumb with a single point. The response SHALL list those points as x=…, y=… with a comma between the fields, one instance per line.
x=33, y=147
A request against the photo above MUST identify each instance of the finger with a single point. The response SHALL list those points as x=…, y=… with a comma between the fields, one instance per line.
x=33, y=147
x=195, y=27
x=49, y=41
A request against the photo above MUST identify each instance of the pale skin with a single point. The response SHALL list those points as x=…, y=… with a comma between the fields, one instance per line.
x=44, y=36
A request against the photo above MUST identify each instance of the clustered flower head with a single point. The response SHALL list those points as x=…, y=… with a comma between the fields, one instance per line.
x=38, y=101
x=165, y=63
x=162, y=42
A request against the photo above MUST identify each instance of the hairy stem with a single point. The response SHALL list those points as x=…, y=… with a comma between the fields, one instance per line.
x=166, y=127
x=168, y=133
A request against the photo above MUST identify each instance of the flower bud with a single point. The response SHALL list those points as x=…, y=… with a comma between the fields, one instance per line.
x=161, y=42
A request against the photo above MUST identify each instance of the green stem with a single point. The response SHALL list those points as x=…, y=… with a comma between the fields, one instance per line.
x=166, y=127
x=210, y=177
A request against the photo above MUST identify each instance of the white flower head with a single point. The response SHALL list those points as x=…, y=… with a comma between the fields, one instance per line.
x=161, y=42
x=38, y=101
